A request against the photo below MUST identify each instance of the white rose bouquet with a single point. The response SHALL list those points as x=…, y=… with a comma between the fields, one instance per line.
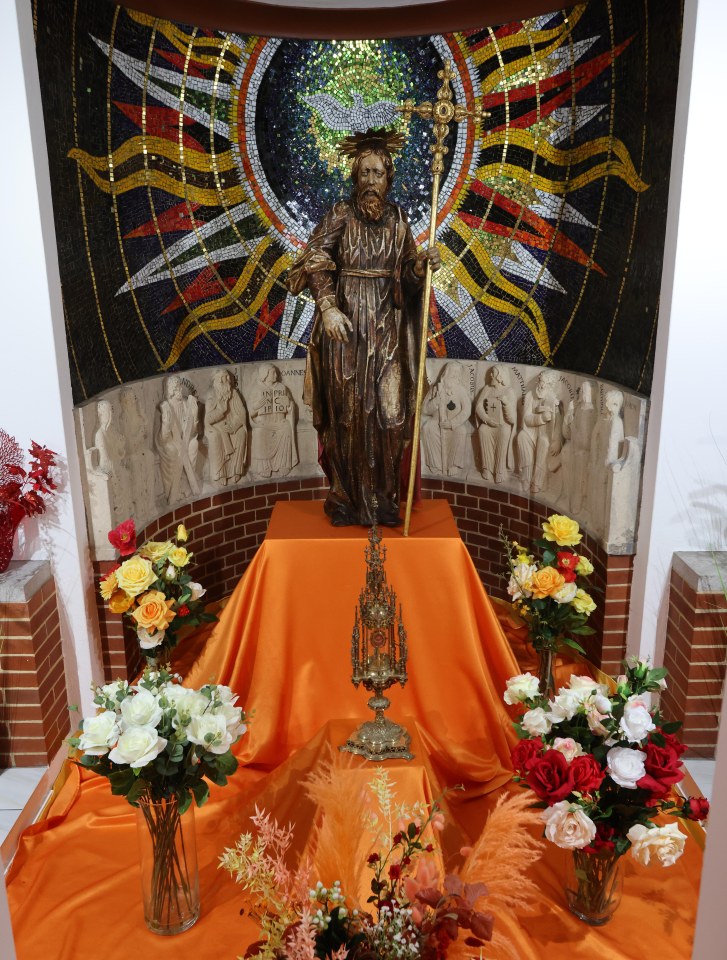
x=153, y=588
x=603, y=765
x=158, y=739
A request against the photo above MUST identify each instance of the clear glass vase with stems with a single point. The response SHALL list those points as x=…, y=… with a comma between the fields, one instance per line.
x=594, y=883
x=169, y=876
x=546, y=664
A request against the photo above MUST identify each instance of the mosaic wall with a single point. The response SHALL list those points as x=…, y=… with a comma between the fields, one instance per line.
x=189, y=166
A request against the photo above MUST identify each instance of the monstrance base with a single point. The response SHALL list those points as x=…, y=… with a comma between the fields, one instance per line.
x=377, y=740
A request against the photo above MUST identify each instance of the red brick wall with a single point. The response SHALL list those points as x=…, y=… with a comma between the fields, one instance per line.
x=696, y=648
x=34, y=716
x=226, y=529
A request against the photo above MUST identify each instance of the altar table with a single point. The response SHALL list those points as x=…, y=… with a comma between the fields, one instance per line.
x=283, y=644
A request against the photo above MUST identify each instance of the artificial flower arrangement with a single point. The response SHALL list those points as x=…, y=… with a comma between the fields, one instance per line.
x=151, y=586
x=23, y=493
x=413, y=910
x=549, y=593
x=603, y=765
x=159, y=739
x=158, y=743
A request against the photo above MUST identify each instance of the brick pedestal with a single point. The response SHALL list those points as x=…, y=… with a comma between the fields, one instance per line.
x=34, y=716
x=696, y=648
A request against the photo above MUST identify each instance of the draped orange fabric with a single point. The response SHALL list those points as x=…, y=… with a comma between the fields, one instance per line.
x=283, y=644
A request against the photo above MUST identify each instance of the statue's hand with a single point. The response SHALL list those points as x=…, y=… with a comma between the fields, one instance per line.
x=434, y=258
x=336, y=324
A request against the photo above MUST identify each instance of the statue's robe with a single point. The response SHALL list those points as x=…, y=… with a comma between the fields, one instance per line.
x=362, y=393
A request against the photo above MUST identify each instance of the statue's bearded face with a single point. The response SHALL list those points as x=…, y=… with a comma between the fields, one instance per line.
x=372, y=184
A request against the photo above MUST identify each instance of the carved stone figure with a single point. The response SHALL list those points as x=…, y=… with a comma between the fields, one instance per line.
x=496, y=411
x=177, y=440
x=107, y=472
x=578, y=425
x=140, y=455
x=225, y=429
x=446, y=410
x=362, y=267
x=273, y=418
x=540, y=441
x=607, y=449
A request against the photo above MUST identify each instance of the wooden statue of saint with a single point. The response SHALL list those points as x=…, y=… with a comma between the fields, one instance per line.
x=362, y=267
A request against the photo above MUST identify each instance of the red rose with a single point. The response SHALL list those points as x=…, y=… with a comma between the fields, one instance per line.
x=696, y=808
x=394, y=871
x=586, y=773
x=525, y=753
x=603, y=839
x=671, y=742
x=124, y=538
x=567, y=563
x=663, y=769
x=183, y=611
x=550, y=777
x=373, y=858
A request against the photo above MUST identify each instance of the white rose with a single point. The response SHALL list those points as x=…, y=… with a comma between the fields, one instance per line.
x=636, y=721
x=192, y=704
x=225, y=694
x=583, y=687
x=566, y=704
x=566, y=593
x=625, y=766
x=666, y=843
x=99, y=733
x=569, y=747
x=209, y=730
x=147, y=641
x=138, y=746
x=233, y=719
x=536, y=722
x=110, y=690
x=597, y=707
x=518, y=585
x=170, y=573
x=197, y=590
x=141, y=710
x=522, y=687
x=568, y=825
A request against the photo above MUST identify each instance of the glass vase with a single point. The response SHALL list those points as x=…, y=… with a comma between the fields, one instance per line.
x=546, y=678
x=594, y=883
x=169, y=877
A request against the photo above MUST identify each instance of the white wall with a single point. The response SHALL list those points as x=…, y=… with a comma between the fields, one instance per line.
x=684, y=504
x=35, y=392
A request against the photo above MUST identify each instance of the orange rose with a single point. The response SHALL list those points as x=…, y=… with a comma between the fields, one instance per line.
x=546, y=582
x=119, y=602
x=153, y=612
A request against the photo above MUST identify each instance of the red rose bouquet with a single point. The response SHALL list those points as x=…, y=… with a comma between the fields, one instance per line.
x=603, y=765
x=152, y=586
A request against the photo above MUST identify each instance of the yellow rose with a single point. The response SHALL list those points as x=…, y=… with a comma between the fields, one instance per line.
x=584, y=567
x=182, y=533
x=563, y=530
x=135, y=575
x=153, y=612
x=583, y=603
x=179, y=556
x=119, y=602
x=155, y=549
x=108, y=585
x=545, y=582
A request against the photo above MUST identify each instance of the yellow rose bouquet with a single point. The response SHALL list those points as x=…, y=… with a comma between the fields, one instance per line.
x=152, y=586
x=548, y=594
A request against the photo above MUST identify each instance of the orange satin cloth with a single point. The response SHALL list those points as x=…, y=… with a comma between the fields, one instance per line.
x=283, y=643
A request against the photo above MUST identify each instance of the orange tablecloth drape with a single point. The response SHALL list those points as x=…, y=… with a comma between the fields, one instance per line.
x=283, y=644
